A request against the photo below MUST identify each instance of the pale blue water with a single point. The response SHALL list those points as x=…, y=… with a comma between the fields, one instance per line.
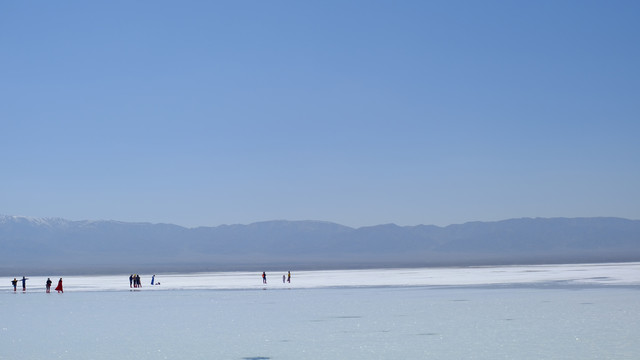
x=510, y=322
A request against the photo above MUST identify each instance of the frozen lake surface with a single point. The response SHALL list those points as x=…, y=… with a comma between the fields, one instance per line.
x=521, y=312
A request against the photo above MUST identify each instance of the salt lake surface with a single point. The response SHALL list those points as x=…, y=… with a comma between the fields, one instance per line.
x=589, y=311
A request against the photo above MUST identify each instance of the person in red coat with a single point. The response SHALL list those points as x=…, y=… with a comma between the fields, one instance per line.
x=59, y=287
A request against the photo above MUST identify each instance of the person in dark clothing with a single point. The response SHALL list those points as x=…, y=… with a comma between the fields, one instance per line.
x=289, y=277
x=131, y=280
x=49, y=282
x=264, y=277
x=24, y=283
x=14, y=282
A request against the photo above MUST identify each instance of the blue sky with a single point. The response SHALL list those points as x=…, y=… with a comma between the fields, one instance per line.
x=203, y=113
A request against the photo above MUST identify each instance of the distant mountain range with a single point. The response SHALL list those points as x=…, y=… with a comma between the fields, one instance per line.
x=32, y=246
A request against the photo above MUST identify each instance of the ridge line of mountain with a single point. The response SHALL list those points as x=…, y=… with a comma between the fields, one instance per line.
x=29, y=244
x=146, y=223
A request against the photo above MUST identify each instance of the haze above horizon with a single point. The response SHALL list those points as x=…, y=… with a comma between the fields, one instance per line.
x=358, y=113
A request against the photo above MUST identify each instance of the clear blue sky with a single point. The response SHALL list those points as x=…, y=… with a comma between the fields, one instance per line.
x=202, y=113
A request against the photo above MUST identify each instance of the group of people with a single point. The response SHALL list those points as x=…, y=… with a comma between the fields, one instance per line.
x=285, y=278
x=134, y=281
x=58, y=288
x=48, y=284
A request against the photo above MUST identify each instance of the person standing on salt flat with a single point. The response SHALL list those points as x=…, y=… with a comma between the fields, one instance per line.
x=264, y=277
x=59, y=287
x=24, y=283
x=49, y=282
x=289, y=277
x=153, y=278
x=131, y=280
x=283, y=278
x=14, y=282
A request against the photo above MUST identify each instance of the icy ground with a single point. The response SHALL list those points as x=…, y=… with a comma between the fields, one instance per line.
x=542, y=275
x=533, y=312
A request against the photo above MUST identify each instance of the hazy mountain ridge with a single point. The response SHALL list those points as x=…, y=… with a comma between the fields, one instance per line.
x=36, y=245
